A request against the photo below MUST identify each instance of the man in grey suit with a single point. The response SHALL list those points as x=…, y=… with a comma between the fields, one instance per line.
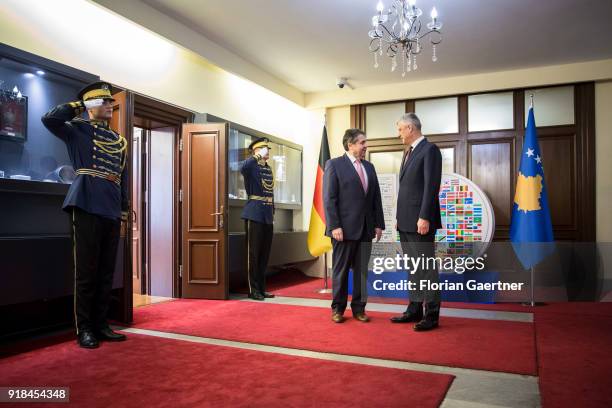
x=418, y=217
x=354, y=216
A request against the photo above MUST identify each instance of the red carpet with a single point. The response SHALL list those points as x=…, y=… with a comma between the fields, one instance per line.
x=147, y=371
x=574, y=360
x=467, y=343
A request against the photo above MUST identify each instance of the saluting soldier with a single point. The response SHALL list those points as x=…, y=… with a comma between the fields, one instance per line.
x=97, y=201
x=258, y=214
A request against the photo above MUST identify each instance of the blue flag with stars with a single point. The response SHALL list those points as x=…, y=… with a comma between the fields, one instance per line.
x=531, y=230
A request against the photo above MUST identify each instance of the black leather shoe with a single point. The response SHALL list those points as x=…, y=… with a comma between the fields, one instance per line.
x=107, y=334
x=337, y=317
x=268, y=295
x=256, y=296
x=425, y=325
x=406, y=318
x=87, y=339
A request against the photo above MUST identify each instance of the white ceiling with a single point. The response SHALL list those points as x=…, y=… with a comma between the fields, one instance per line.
x=310, y=43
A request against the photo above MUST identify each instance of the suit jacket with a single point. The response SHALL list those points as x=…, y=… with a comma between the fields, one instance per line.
x=419, y=187
x=347, y=206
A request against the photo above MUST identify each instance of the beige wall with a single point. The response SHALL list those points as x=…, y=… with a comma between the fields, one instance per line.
x=135, y=58
x=603, y=150
x=338, y=120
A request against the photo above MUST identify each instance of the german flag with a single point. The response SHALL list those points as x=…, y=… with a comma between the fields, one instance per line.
x=318, y=243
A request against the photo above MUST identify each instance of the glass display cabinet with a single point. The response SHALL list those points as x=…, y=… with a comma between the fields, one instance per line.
x=285, y=160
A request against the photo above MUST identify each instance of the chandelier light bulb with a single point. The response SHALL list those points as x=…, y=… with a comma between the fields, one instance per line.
x=19, y=95
x=15, y=89
x=434, y=14
x=412, y=3
x=380, y=6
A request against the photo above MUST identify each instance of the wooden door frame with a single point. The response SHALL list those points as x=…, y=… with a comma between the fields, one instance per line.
x=159, y=114
x=141, y=106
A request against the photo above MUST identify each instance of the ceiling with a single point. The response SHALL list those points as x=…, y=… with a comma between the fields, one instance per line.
x=309, y=44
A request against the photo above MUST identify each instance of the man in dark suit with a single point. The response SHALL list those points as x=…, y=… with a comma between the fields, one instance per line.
x=418, y=217
x=354, y=216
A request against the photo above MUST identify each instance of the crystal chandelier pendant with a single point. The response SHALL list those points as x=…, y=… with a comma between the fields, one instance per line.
x=398, y=29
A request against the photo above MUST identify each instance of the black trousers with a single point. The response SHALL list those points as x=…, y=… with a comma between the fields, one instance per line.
x=259, y=243
x=353, y=255
x=416, y=245
x=95, y=240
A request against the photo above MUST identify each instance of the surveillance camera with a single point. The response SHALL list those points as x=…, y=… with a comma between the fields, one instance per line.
x=341, y=82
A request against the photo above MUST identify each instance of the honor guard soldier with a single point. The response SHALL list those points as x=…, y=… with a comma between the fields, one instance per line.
x=97, y=201
x=258, y=214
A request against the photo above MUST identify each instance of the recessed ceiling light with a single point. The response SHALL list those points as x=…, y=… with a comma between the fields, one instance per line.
x=28, y=75
x=40, y=72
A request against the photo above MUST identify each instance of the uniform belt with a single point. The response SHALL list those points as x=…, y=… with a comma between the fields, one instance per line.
x=260, y=198
x=96, y=173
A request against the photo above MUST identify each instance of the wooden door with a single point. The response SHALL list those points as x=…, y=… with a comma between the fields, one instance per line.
x=121, y=300
x=203, y=269
x=137, y=205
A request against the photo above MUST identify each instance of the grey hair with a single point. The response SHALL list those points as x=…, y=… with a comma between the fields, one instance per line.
x=411, y=118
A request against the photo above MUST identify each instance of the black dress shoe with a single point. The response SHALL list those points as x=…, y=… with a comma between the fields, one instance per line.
x=87, y=339
x=425, y=325
x=406, y=318
x=107, y=334
x=256, y=296
x=268, y=295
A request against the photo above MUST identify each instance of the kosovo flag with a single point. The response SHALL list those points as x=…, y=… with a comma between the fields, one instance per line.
x=531, y=230
x=318, y=243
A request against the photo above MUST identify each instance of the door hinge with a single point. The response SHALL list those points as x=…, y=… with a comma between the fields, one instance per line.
x=181, y=145
x=181, y=195
x=180, y=271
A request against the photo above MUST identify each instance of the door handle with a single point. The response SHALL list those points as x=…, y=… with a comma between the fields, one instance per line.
x=220, y=218
x=218, y=213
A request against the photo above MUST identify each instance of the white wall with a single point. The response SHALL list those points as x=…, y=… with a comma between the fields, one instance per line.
x=87, y=36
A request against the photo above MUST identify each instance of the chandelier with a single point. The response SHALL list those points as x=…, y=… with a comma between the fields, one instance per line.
x=397, y=33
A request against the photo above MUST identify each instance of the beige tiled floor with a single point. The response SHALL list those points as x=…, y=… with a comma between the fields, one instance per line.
x=144, y=300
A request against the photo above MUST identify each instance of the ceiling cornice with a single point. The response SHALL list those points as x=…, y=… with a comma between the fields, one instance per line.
x=167, y=27
x=599, y=70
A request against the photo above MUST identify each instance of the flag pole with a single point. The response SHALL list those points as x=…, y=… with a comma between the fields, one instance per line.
x=325, y=288
x=532, y=286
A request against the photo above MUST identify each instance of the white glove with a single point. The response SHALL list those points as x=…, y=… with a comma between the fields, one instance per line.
x=93, y=103
x=263, y=151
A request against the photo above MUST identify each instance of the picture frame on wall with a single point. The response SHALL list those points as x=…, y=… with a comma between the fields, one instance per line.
x=13, y=116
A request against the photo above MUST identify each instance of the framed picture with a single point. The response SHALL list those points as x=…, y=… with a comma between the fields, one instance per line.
x=13, y=116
